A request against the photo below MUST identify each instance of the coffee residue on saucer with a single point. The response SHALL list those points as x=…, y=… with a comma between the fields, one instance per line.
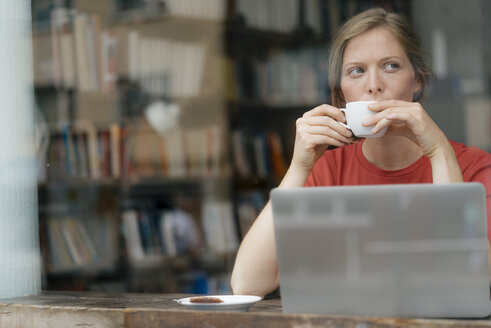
x=205, y=299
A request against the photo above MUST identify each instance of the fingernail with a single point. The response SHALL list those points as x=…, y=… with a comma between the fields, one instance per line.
x=365, y=122
x=347, y=133
x=373, y=131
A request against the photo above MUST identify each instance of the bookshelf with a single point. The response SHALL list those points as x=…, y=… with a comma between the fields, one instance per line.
x=125, y=206
x=276, y=59
x=122, y=204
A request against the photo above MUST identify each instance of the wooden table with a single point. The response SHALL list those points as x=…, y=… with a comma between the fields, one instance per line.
x=83, y=309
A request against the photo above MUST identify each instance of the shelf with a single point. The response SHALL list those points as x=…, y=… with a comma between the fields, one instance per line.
x=265, y=116
x=246, y=42
x=51, y=87
x=79, y=183
x=253, y=183
x=159, y=180
x=251, y=106
x=83, y=270
x=158, y=185
x=139, y=16
x=140, y=182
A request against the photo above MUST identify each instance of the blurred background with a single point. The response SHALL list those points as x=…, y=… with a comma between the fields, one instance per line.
x=162, y=125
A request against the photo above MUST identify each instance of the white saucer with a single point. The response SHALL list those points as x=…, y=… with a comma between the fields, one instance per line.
x=240, y=303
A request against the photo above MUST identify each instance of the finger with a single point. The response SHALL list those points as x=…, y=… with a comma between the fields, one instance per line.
x=318, y=139
x=374, y=119
x=327, y=110
x=321, y=130
x=408, y=118
x=329, y=123
x=385, y=114
x=399, y=117
x=385, y=104
x=382, y=124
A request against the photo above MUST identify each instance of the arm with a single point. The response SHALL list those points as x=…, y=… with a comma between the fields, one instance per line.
x=444, y=165
x=256, y=269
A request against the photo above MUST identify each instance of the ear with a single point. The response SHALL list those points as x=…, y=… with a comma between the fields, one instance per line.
x=341, y=96
x=418, y=88
x=420, y=81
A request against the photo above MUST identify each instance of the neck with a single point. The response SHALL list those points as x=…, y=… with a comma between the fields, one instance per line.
x=391, y=152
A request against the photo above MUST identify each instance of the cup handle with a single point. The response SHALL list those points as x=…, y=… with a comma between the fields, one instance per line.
x=346, y=125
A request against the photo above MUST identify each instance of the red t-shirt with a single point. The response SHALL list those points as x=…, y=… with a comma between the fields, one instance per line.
x=348, y=166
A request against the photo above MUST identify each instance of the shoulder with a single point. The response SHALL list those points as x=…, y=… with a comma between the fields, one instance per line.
x=473, y=153
x=474, y=162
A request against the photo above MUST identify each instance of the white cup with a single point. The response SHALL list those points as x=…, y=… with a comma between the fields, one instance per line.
x=356, y=112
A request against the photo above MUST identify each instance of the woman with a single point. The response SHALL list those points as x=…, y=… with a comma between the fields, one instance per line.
x=374, y=56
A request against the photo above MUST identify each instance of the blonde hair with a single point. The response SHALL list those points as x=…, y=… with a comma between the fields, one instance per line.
x=363, y=22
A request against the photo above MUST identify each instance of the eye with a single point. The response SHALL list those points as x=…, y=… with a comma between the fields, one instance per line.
x=356, y=71
x=391, y=66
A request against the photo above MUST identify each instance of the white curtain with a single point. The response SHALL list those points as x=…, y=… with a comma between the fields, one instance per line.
x=19, y=238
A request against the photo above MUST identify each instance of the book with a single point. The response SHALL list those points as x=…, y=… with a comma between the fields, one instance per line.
x=55, y=23
x=210, y=10
x=97, y=52
x=133, y=55
x=261, y=152
x=144, y=153
x=81, y=247
x=132, y=238
x=91, y=54
x=166, y=67
x=82, y=154
x=213, y=226
x=43, y=64
x=229, y=227
x=109, y=61
x=240, y=159
x=277, y=156
x=76, y=154
x=249, y=205
x=215, y=143
x=69, y=154
x=67, y=60
x=187, y=235
x=60, y=257
x=87, y=241
x=194, y=59
x=81, y=58
x=147, y=233
x=167, y=232
x=69, y=239
x=104, y=144
x=115, y=148
x=89, y=130
x=219, y=226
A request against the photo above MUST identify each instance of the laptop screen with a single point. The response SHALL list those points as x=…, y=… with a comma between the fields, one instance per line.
x=417, y=249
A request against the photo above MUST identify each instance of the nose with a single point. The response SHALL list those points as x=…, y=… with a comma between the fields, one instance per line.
x=375, y=85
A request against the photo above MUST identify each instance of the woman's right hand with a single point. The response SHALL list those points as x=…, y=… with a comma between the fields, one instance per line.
x=316, y=130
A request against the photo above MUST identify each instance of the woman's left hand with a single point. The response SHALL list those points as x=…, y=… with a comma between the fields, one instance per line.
x=408, y=119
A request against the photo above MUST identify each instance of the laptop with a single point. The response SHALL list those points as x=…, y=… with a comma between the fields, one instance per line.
x=413, y=250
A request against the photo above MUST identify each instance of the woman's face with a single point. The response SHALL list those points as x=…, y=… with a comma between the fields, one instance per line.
x=375, y=67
